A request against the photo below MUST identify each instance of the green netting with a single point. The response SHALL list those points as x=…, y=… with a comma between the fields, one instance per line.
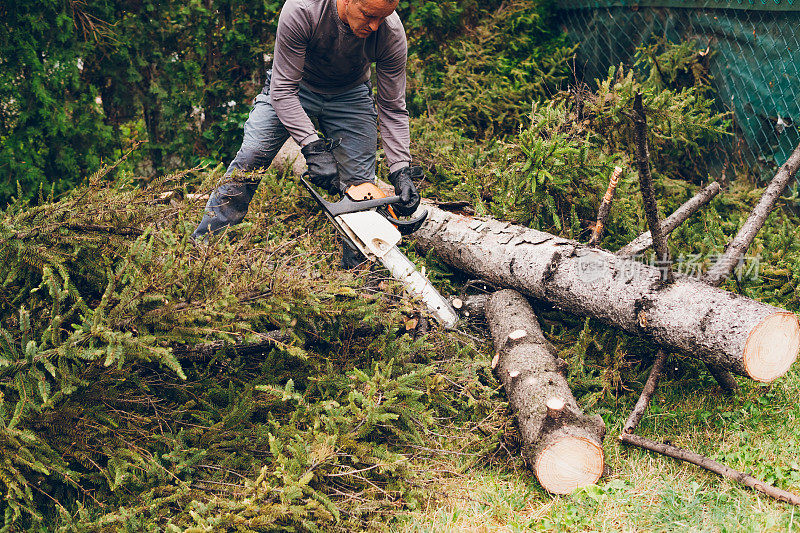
x=755, y=68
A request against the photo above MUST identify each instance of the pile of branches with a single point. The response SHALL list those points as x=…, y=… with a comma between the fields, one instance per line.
x=148, y=381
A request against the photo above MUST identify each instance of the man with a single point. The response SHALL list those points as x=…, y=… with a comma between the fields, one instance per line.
x=321, y=69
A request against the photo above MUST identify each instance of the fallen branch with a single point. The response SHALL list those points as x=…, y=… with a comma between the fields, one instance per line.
x=739, y=245
x=204, y=351
x=647, y=393
x=646, y=186
x=668, y=225
x=710, y=465
x=605, y=208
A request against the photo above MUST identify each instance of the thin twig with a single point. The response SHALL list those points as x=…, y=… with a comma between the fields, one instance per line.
x=605, y=208
x=710, y=465
x=668, y=225
x=647, y=393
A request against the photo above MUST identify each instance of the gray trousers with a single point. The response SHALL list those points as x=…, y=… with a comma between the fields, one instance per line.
x=349, y=116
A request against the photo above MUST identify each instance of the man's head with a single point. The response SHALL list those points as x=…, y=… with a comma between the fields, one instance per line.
x=364, y=16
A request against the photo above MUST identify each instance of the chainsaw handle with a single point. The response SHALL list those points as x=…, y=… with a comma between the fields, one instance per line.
x=407, y=227
x=348, y=205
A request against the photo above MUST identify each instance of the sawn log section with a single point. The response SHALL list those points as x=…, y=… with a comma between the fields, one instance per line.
x=737, y=333
x=562, y=446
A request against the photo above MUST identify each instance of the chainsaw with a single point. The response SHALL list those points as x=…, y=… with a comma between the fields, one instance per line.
x=365, y=219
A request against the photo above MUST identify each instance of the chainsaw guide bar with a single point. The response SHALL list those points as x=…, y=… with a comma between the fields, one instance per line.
x=377, y=233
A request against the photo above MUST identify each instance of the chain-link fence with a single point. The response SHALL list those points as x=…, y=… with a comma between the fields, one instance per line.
x=755, y=67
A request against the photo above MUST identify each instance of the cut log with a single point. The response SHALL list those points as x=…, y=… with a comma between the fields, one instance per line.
x=739, y=334
x=562, y=446
x=472, y=306
x=289, y=159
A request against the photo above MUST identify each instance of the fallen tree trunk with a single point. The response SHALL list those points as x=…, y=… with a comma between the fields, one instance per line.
x=738, y=334
x=562, y=446
x=733, y=332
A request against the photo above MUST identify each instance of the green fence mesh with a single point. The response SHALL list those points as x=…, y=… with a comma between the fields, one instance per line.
x=755, y=68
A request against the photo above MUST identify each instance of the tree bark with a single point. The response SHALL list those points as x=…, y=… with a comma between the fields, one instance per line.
x=739, y=245
x=648, y=194
x=562, y=446
x=472, y=306
x=668, y=225
x=739, y=334
x=645, y=240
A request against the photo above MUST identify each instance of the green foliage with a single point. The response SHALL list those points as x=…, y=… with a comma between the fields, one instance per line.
x=553, y=173
x=138, y=390
x=103, y=398
x=482, y=83
x=558, y=176
x=81, y=81
x=51, y=129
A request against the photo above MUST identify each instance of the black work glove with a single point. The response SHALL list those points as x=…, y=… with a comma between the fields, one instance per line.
x=322, y=170
x=404, y=188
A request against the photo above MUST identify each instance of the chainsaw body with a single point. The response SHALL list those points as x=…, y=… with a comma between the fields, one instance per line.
x=364, y=218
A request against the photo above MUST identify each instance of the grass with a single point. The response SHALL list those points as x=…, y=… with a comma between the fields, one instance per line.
x=754, y=431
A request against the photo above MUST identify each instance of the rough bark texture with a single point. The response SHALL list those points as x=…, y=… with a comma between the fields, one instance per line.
x=739, y=245
x=645, y=240
x=706, y=322
x=528, y=368
x=471, y=306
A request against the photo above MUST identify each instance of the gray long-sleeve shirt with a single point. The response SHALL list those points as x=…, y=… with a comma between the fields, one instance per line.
x=315, y=47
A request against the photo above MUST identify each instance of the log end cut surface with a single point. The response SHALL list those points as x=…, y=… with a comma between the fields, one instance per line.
x=569, y=463
x=772, y=347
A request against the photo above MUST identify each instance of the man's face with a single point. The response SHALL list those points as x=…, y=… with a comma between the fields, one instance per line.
x=364, y=16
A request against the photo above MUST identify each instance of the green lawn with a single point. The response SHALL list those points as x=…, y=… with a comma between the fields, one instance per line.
x=756, y=431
